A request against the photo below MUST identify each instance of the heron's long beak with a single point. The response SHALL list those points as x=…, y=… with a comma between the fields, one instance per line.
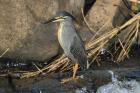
x=54, y=19
x=50, y=20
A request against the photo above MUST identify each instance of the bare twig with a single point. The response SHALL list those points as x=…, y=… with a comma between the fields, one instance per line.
x=90, y=29
x=126, y=53
x=135, y=1
x=4, y=52
x=99, y=31
x=37, y=67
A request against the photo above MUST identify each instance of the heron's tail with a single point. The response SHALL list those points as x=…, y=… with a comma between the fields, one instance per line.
x=88, y=64
x=84, y=63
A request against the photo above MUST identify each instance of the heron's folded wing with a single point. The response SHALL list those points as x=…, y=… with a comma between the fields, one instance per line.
x=78, y=51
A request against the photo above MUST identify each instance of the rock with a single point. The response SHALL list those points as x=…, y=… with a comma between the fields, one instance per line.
x=22, y=32
x=107, y=13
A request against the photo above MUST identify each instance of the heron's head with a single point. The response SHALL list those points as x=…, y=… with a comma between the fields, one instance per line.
x=60, y=16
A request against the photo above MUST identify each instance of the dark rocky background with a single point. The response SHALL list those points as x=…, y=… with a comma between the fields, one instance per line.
x=22, y=31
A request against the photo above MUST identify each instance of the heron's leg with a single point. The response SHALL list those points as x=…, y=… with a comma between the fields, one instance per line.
x=75, y=68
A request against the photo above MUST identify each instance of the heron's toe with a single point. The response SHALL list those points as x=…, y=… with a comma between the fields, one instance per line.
x=69, y=79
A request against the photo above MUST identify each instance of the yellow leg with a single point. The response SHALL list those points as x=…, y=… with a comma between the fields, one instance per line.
x=75, y=68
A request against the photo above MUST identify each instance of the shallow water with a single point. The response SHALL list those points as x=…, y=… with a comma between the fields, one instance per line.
x=94, y=81
x=117, y=86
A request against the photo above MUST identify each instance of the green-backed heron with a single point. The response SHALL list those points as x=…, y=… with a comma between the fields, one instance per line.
x=70, y=41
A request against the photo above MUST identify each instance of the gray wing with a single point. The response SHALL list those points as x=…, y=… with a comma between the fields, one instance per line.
x=78, y=51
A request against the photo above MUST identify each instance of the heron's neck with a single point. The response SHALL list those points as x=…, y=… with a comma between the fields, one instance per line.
x=66, y=22
x=63, y=26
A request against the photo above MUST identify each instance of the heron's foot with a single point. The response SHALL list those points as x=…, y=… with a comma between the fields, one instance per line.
x=69, y=79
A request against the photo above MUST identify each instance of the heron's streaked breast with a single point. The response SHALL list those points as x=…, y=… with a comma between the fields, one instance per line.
x=66, y=33
x=60, y=34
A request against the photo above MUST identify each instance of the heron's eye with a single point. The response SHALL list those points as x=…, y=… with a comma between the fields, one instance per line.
x=61, y=17
x=57, y=17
